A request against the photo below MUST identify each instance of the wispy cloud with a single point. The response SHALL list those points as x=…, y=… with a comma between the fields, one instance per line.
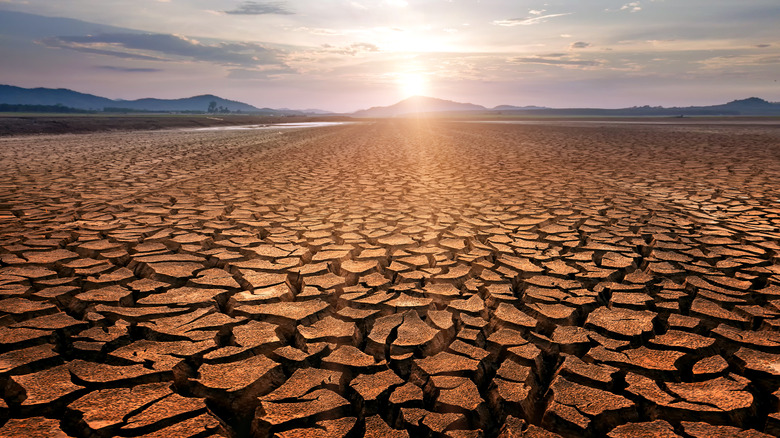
x=579, y=45
x=128, y=69
x=554, y=61
x=164, y=47
x=260, y=73
x=719, y=63
x=321, y=31
x=527, y=21
x=631, y=7
x=352, y=49
x=260, y=8
x=60, y=43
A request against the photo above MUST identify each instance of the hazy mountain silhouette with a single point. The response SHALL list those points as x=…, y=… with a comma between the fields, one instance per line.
x=73, y=99
x=313, y=111
x=517, y=108
x=746, y=107
x=752, y=106
x=50, y=96
x=12, y=95
x=416, y=105
x=194, y=103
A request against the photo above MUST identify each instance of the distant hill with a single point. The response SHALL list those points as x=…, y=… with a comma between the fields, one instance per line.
x=61, y=96
x=17, y=97
x=50, y=96
x=751, y=102
x=416, y=105
x=53, y=109
x=517, y=108
x=313, y=111
x=194, y=103
x=752, y=106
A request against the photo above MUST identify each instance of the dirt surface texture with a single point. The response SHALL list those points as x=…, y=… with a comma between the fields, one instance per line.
x=397, y=278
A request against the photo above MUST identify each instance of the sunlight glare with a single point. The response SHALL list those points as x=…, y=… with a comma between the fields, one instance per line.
x=412, y=84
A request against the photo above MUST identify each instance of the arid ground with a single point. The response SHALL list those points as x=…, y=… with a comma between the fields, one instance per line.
x=393, y=278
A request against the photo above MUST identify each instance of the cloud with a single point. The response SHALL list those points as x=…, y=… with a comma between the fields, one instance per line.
x=258, y=8
x=165, y=47
x=352, y=49
x=128, y=69
x=579, y=45
x=321, y=31
x=262, y=73
x=548, y=61
x=769, y=60
x=763, y=46
x=55, y=42
x=631, y=7
x=730, y=61
x=527, y=21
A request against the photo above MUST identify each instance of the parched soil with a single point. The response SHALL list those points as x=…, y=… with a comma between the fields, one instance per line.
x=391, y=279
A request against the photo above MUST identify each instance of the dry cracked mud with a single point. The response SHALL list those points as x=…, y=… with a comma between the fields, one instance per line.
x=392, y=279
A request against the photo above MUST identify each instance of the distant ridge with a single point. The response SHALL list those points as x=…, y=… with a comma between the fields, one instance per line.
x=194, y=103
x=51, y=96
x=11, y=96
x=517, y=108
x=416, y=105
x=73, y=99
x=752, y=106
x=314, y=111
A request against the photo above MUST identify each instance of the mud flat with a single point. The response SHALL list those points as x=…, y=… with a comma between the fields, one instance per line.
x=394, y=278
x=35, y=124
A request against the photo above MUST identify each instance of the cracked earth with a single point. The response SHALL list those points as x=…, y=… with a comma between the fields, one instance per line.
x=392, y=279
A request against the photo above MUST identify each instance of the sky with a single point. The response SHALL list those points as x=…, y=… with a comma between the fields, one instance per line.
x=345, y=55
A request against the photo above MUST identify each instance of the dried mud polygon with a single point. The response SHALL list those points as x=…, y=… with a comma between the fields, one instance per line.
x=392, y=279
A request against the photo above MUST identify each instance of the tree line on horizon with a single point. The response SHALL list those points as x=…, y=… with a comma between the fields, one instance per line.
x=62, y=109
x=58, y=108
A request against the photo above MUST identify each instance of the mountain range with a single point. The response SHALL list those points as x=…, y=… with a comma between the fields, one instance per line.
x=422, y=104
x=73, y=99
x=416, y=105
x=12, y=95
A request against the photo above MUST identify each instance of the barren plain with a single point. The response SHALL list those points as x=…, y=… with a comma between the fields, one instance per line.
x=392, y=278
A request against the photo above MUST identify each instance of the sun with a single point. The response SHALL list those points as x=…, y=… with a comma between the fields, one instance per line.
x=412, y=84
